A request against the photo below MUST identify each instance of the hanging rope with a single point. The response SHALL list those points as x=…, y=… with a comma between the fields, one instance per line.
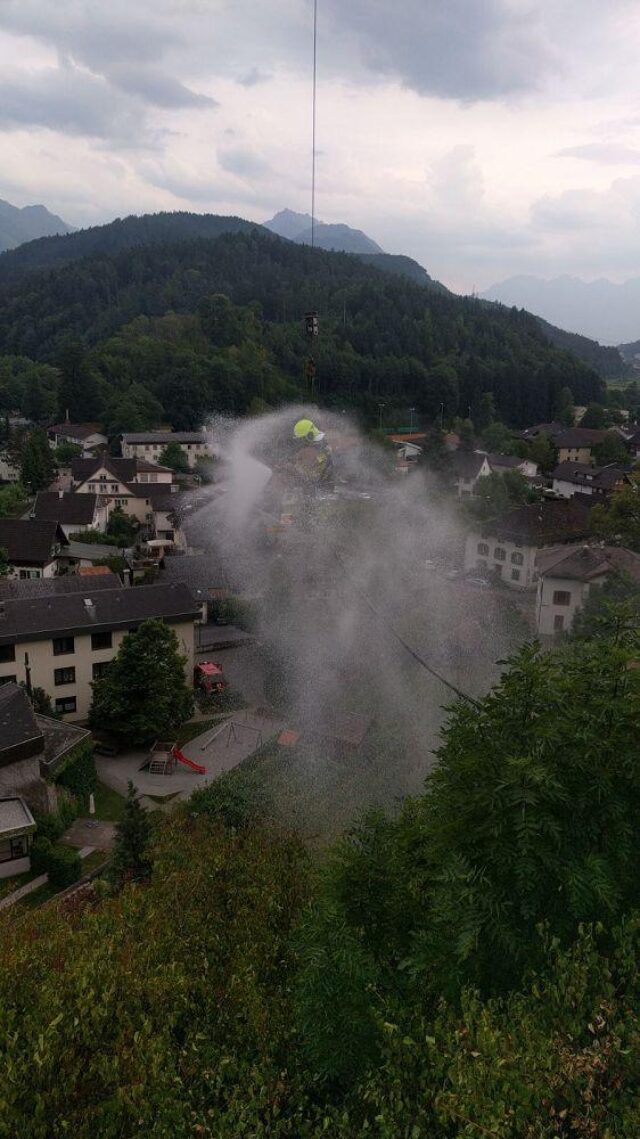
x=313, y=122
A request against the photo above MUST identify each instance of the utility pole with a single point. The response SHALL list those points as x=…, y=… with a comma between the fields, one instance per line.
x=411, y=411
x=27, y=673
x=442, y=416
x=380, y=409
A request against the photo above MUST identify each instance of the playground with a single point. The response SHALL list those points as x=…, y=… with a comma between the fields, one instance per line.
x=161, y=774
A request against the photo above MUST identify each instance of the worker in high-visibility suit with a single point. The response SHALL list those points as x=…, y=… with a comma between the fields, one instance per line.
x=313, y=458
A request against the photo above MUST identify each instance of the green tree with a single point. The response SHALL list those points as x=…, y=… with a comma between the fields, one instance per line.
x=608, y=607
x=131, y=857
x=486, y=411
x=144, y=694
x=497, y=493
x=619, y=522
x=13, y=499
x=611, y=450
x=497, y=439
x=135, y=409
x=65, y=452
x=595, y=416
x=41, y=701
x=543, y=452
x=78, y=394
x=564, y=410
x=37, y=462
x=173, y=456
x=122, y=528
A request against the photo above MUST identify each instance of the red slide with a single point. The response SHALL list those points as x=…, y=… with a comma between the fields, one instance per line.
x=182, y=758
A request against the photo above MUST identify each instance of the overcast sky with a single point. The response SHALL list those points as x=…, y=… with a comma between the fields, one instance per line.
x=483, y=137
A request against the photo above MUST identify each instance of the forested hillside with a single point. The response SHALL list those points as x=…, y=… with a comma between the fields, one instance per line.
x=154, y=315
x=607, y=362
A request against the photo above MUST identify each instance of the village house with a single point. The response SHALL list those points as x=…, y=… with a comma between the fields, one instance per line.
x=65, y=640
x=552, y=429
x=73, y=512
x=35, y=547
x=32, y=748
x=151, y=444
x=140, y=488
x=576, y=445
x=582, y=478
x=85, y=435
x=9, y=471
x=508, y=546
x=467, y=468
x=565, y=576
x=500, y=464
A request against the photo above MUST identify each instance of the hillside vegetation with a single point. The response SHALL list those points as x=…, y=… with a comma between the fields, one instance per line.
x=469, y=967
x=139, y=308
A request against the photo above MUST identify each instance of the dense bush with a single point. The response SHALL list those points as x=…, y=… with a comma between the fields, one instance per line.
x=78, y=771
x=61, y=863
x=52, y=825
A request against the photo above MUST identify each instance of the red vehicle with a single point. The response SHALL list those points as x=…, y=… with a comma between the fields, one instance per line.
x=209, y=677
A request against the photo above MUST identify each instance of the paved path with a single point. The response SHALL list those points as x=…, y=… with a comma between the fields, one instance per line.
x=90, y=834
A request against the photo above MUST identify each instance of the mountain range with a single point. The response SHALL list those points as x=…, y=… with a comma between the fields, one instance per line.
x=20, y=225
x=601, y=310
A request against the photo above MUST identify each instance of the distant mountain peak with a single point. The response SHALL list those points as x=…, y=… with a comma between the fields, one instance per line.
x=338, y=237
x=20, y=224
x=601, y=309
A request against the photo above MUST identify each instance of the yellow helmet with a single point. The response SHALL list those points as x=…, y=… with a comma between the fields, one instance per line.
x=305, y=429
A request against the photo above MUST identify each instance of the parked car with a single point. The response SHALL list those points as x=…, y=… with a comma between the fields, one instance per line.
x=106, y=747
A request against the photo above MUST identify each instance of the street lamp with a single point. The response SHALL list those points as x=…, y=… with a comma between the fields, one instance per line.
x=380, y=408
x=411, y=410
x=442, y=416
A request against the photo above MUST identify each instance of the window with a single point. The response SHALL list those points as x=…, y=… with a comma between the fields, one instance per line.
x=63, y=645
x=558, y=623
x=28, y=575
x=499, y=554
x=8, y=679
x=99, y=668
x=11, y=848
x=64, y=676
x=65, y=704
x=498, y=569
x=101, y=641
x=7, y=653
x=515, y=575
x=121, y=501
x=483, y=549
x=561, y=597
x=517, y=559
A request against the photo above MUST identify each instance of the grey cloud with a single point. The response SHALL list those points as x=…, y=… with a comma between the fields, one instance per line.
x=75, y=102
x=607, y=153
x=243, y=162
x=462, y=49
x=154, y=86
x=254, y=77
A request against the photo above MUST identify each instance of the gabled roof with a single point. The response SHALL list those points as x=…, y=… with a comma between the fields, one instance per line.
x=83, y=470
x=551, y=429
x=18, y=728
x=582, y=474
x=164, y=437
x=77, y=430
x=580, y=437
x=57, y=586
x=68, y=508
x=541, y=523
x=93, y=610
x=30, y=540
x=467, y=464
x=584, y=563
x=509, y=462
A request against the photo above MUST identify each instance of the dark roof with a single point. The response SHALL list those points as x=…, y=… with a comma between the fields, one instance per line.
x=58, y=739
x=542, y=523
x=552, y=429
x=30, y=619
x=20, y=736
x=467, y=464
x=582, y=474
x=580, y=437
x=77, y=430
x=68, y=508
x=164, y=437
x=122, y=469
x=30, y=540
x=57, y=586
x=584, y=563
x=512, y=462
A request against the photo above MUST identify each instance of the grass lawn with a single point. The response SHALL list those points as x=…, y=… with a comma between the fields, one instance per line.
x=195, y=728
x=8, y=885
x=109, y=804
